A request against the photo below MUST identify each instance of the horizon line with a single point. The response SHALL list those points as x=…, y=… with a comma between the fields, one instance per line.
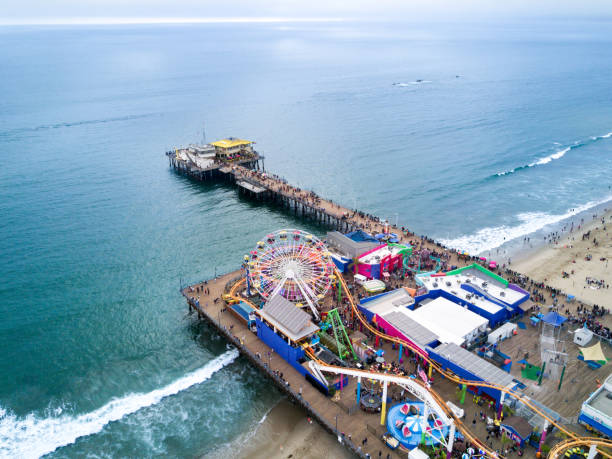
x=161, y=20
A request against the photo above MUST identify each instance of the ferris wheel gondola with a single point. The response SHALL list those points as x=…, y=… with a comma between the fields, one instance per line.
x=293, y=264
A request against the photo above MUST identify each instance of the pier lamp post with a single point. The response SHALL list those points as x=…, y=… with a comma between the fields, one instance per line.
x=337, y=419
x=396, y=218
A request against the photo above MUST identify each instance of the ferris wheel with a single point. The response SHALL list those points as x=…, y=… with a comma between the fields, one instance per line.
x=292, y=263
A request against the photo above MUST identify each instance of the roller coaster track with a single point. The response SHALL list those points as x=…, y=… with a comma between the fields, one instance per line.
x=557, y=450
x=469, y=436
x=587, y=441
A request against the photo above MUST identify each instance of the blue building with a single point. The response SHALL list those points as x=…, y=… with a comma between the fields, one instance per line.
x=284, y=327
x=473, y=368
x=478, y=289
x=596, y=412
x=517, y=429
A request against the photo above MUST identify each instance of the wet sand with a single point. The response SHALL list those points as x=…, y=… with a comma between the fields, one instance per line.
x=286, y=433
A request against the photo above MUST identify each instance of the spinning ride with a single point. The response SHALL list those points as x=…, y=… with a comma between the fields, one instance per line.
x=294, y=264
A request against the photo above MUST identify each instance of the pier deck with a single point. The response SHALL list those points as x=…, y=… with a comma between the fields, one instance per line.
x=350, y=419
x=354, y=423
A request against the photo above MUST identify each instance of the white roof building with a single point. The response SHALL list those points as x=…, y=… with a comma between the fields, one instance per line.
x=451, y=322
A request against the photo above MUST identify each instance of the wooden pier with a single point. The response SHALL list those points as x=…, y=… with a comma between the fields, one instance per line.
x=336, y=418
x=254, y=183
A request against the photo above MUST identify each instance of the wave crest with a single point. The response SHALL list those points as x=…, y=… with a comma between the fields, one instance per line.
x=31, y=436
x=556, y=155
x=492, y=237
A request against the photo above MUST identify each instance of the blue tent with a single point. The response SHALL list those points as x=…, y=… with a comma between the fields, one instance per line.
x=360, y=236
x=554, y=318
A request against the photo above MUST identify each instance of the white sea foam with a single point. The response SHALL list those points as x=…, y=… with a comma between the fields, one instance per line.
x=539, y=162
x=491, y=237
x=31, y=436
x=549, y=158
x=556, y=155
x=411, y=83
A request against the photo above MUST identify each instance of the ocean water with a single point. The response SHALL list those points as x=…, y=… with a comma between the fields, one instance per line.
x=508, y=131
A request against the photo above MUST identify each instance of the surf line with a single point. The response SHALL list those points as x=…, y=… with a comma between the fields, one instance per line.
x=31, y=436
x=556, y=155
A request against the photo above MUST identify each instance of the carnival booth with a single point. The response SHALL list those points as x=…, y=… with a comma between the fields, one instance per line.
x=517, y=429
x=583, y=336
x=383, y=259
x=506, y=331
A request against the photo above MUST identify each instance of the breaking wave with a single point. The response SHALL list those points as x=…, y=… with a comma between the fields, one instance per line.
x=529, y=222
x=31, y=436
x=556, y=155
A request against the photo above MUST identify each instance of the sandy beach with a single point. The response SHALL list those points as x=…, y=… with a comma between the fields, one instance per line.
x=285, y=433
x=569, y=255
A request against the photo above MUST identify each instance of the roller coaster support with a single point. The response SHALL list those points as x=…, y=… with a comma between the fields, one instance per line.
x=500, y=408
x=542, y=438
x=451, y=438
x=383, y=411
x=463, y=391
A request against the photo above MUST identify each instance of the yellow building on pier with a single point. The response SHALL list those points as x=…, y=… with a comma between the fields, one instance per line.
x=232, y=148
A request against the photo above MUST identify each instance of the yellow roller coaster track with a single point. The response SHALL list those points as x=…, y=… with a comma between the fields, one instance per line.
x=587, y=441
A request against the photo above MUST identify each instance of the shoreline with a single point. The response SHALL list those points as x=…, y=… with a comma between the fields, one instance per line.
x=285, y=432
x=518, y=249
x=567, y=254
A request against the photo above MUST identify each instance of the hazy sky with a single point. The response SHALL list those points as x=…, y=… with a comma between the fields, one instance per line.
x=52, y=11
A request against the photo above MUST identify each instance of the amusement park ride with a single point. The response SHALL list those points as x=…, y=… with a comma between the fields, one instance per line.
x=298, y=266
x=343, y=343
x=293, y=264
